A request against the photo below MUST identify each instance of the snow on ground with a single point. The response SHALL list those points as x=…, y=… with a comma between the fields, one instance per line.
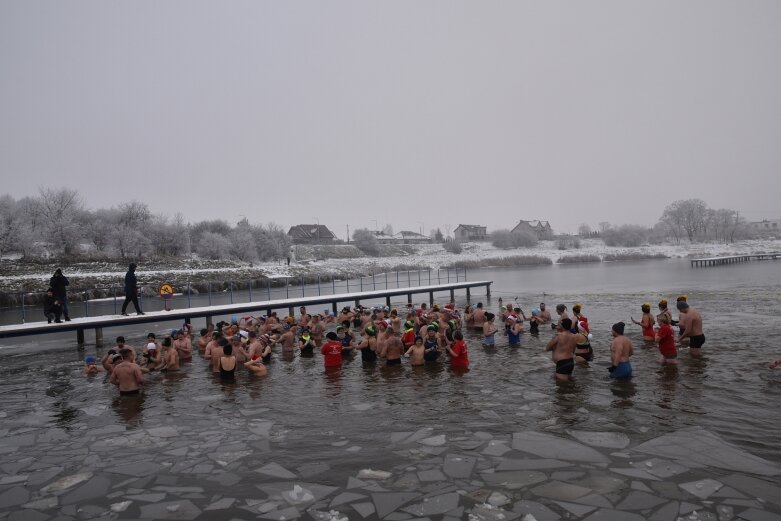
x=433, y=256
x=429, y=256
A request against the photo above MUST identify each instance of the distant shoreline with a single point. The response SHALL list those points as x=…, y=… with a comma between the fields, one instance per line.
x=20, y=276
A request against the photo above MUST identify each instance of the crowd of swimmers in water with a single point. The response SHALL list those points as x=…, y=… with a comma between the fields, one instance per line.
x=422, y=336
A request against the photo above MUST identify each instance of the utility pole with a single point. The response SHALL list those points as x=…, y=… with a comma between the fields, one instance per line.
x=348, y=234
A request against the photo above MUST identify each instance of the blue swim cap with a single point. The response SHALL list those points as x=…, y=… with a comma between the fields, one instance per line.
x=90, y=359
x=234, y=319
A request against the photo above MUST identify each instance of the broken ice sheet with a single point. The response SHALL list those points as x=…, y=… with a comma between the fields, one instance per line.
x=604, y=514
x=457, y=466
x=609, y=440
x=435, y=505
x=373, y=474
x=660, y=468
x=560, y=490
x=496, y=448
x=513, y=479
x=66, y=482
x=637, y=500
x=549, y=446
x=275, y=470
x=702, y=488
x=296, y=493
x=387, y=502
x=431, y=475
x=345, y=497
x=700, y=446
x=177, y=509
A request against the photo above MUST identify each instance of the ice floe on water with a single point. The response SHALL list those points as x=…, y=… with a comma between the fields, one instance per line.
x=373, y=474
x=481, y=474
x=700, y=446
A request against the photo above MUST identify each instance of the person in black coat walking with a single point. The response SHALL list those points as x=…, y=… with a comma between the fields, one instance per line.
x=58, y=283
x=131, y=290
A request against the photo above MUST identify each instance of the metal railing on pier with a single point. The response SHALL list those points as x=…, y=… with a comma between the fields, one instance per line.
x=21, y=307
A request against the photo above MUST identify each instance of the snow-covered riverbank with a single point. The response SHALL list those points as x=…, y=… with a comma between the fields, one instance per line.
x=21, y=276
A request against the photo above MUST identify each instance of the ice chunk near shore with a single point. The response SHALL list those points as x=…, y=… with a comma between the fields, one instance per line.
x=374, y=474
x=550, y=446
x=67, y=482
x=298, y=495
x=433, y=441
x=331, y=515
x=121, y=506
x=700, y=446
x=703, y=489
x=609, y=440
x=275, y=470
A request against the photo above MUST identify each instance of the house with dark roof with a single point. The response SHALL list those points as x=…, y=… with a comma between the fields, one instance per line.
x=541, y=229
x=409, y=237
x=311, y=234
x=470, y=232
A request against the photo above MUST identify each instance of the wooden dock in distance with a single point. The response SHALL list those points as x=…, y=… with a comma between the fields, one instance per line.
x=732, y=259
x=207, y=312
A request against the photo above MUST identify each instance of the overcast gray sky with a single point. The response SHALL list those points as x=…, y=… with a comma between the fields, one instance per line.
x=417, y=114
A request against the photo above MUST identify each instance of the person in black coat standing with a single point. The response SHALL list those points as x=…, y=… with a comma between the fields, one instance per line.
x=131, y=290
x=58, y=283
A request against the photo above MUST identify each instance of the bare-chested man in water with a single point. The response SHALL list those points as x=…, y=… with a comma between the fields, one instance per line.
x=392, y=349
x=563, y=347
x=691, y=322
x=127, y=375
x=620, y=351
x=543, y=317
x=170, y=356
x=478, y=316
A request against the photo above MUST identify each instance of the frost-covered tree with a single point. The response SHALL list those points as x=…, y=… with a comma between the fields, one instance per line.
x=272, y=242
x=366, y=241
x=217, y=226
x=169, y=237
x=688, y=215
x=584, y=230
x=98, y=228
x=58, y=210
x=242, y=244
x=213, y=246
x=11, y=225
x=129, y=236
x=627, y=235
x=726, y=225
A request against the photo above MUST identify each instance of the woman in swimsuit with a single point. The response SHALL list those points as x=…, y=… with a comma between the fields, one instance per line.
x=579, y=318
x=489, y=330
x=584, y=353
x=227, y=364
x=647, y=323
x=664, y=311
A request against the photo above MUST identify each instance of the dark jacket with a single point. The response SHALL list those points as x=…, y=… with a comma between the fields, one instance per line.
x=58, y=284
x=49, y=305
x=130, y=282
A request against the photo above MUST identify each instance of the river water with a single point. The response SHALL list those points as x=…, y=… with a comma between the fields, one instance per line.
x=445, y=440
